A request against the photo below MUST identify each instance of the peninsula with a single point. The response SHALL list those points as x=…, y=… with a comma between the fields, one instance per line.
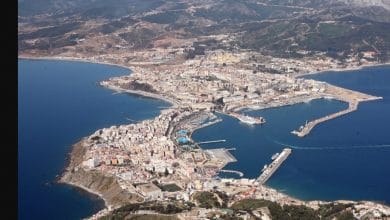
x=138, y=163
x=205, y=57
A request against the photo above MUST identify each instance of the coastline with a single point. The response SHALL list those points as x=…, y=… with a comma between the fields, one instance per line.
x=141, y=93
x=155, y=96
x=342, y=69
x=84, y=60
x=69, y=167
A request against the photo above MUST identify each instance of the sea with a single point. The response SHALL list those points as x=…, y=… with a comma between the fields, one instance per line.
x=344, y=158
x=59, y=102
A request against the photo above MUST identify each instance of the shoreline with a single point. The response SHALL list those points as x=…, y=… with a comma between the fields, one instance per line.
x=84, y=60
x=87, y=190
x=141, y=93
x=342, y=69
x=159, y=97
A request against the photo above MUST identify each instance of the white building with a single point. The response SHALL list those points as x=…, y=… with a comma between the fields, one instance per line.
x=150, y=191
x=91, y=163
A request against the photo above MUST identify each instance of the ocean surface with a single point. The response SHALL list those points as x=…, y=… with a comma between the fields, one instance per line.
x=345, y=158
x=59, y=102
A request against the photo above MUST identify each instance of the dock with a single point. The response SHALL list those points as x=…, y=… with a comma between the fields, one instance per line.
x=221, y=154
x=241, y=174
x=267, y=173
x=309, y=126
x=353, y=99
x=209, y=142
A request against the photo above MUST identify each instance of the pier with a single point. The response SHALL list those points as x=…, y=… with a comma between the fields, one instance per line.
x=221, y=154
x=267, y=173
x=209, y=142
x=353, y=99
x=233, y=171
x=309, y=126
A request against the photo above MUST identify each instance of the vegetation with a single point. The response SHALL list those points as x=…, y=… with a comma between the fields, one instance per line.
x=250, y=204
x=170, y=187
x=168, y=17
x=159, y=207
x=295, y=212
x=134, y=85
x=207, y=200
x=139, y=217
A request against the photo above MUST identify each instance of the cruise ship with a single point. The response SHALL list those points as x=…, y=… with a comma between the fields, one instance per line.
x=249, y=120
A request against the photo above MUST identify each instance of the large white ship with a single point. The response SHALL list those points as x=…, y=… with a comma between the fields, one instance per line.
x=248, y=119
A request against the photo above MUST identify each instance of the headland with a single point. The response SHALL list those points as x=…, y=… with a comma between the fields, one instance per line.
x=131, y=163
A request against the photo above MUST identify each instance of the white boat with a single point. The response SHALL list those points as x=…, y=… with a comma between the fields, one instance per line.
x=275, y=156
x=247, y=119
x=264, y=168
x=250, y=120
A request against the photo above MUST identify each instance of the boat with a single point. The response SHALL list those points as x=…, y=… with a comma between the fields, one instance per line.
x=275, y=156
x=247, y=120
x=250, y=120
x=264, y=168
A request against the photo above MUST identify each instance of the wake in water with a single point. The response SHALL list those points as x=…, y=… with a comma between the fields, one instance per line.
x=334, y=147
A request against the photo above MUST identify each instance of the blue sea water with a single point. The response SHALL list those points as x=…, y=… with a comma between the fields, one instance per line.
x=345, y=158
x=59, y=102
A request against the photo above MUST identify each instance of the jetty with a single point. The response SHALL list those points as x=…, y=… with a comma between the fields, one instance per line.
x=241, y=174
x=267, y=172
x=209, y=142
x=304, y=130
x=353, y=99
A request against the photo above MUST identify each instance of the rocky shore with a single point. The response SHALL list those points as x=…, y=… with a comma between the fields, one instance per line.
x=94, y=182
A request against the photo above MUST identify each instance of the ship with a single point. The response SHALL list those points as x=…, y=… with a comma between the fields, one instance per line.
x=275, y=156
x=264, y=168
x=250, y=120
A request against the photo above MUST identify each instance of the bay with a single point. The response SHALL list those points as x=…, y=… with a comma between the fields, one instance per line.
x=59, y=102
x=345, y=158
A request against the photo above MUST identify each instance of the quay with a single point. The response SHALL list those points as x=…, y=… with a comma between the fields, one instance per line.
x=267, y=173
x=221, y=154
x=241, y=174
x=304, y=130
x=353, y=99
x=209, y=142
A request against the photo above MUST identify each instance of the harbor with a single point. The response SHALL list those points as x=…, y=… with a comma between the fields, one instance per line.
x=269, y=170
x=352, y=106
x=305, y=130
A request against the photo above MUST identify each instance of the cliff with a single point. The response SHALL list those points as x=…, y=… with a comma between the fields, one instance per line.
x=94, y=182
